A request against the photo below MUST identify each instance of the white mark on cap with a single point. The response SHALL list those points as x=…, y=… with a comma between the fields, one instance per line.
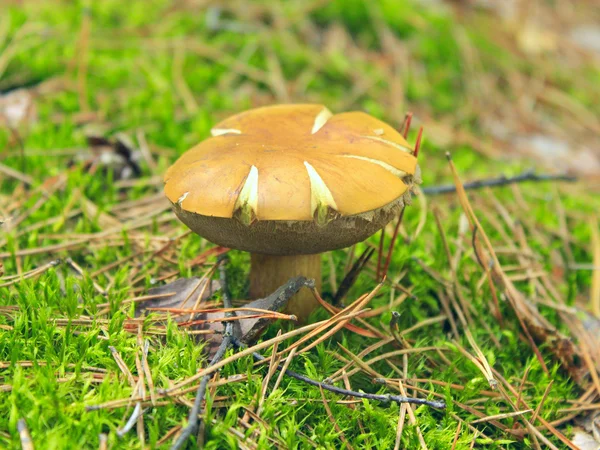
x=399, y=173
x=321, y=120
x=404, y=148
x=321, y=199
x=247, y=201
x=182, y=198
x=222, y=131
x=378, y=131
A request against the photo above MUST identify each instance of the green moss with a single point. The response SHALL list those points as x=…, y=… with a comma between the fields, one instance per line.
x=131, y=85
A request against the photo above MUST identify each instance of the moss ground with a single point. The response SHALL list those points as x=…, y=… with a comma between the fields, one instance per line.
x=164, y=72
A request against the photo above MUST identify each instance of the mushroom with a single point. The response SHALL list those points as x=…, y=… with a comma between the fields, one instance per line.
x=289, y=182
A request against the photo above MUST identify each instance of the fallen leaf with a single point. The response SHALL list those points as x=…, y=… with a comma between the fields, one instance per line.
x=585, y=441
x=17, y=107
x=184, y=295
x=182, y=290
x=588, y=436
x=587, y=37
x=592, y=424
x=185, y=292
x=116, y=155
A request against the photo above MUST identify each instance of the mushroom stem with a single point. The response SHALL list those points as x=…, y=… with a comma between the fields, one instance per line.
x=269, y=272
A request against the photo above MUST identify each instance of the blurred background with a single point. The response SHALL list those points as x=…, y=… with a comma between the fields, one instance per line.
x=98, y=98
x=497, y=79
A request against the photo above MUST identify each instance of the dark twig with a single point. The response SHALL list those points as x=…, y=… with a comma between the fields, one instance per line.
x=342, y=391
x=352, y=275
x=380, y=253
x=193, y=419
x=529, y=175
x=273, y=302
x=391, y=249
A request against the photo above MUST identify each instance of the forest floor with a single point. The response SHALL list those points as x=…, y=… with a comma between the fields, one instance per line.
x=497, y=298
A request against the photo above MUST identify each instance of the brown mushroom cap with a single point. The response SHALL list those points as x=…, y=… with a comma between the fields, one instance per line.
x=293, y=179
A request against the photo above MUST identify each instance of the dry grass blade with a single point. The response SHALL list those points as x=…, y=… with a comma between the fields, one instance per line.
x=82, y=61
x=48, y=188
x=248, y=351
x=333, y=421
x=286, y=364
x=501, y=416
x=456, y=436
x=122, y=366
x=412, y=419
x=400, y=428
x=206, y=278
x=147, y=372
x=349, y=326
x=533, y=324
x=181, y=86
x=103, y=444
x=335, y=321
x=172, y=432
x=384, y=356
x=13, y=279
x=595, y=290
x=541, y=404
x=133, y=420
x=589, y=362
x=532, y=430
x=324, y=336
x=273, y=364
x=406, y=125
x=81, y=272
x=480, y=360
x=14, y=173
x=145, y=151
x=220, y=310
x=359, y=362
x=379, y=253
x=139, y=299
x=120, y=403
x=24, y=436
x=268, y=315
